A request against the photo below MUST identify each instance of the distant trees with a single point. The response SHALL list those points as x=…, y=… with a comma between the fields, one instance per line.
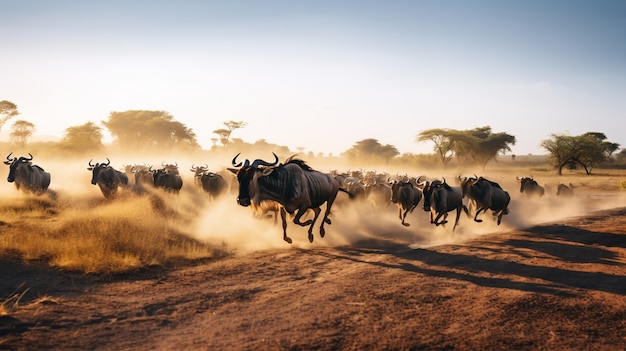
x=8, y=110
x=224, y=134
x=585, y=150
x=21, y=131
x=371, y=150
x=82, y=138
x=478, y=145
x=142, y=128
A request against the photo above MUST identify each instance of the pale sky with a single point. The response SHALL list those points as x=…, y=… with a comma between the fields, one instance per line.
x=320, y=74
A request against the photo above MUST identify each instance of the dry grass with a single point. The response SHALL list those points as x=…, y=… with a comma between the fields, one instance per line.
x=97, y=236
x=79, y=230
x=11, y=303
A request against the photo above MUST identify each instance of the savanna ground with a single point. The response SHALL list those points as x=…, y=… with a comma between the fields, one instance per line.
x=162, y=272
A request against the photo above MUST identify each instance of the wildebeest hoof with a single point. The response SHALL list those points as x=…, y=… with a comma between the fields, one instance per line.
x=288, y=240
x=322, y=232
x=478, y=220
x=327, y=220
x=310, y=237
x=406, y=224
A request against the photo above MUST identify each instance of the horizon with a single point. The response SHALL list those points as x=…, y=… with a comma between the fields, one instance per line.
x=323, y=75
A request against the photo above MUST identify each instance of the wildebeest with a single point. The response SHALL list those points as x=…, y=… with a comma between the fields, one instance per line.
x=564, y=190
x=484, y=195
x=28, y=178
x=530, y=187
x=440, y=198
x=107, y=178
x=143, y=176
x=406, y=196
x=167, y=178
x=212, y=183
x=294, y=185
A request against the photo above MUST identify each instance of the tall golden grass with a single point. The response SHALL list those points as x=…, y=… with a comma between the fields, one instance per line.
x=95, y=235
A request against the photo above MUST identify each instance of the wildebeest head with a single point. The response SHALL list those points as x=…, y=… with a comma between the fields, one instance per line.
x=96, y=169
x=430, y=188
x=467, y=183
x=525, y=183
x=14, y=163
x=245, y=172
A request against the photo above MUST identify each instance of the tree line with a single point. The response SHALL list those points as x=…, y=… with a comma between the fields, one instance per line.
x=154, y=130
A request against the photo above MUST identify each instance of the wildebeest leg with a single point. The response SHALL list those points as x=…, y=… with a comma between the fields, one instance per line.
x=458, y=214
x=310, y=222
x=317, y=211
x=403, y=217
x=329, y=204
x=482, y=209
x=437, y=218
x=283, y=215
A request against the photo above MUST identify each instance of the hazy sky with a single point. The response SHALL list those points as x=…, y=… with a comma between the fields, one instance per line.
x=322, y=75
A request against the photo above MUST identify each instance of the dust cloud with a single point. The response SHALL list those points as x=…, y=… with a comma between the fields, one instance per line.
x=223, y=222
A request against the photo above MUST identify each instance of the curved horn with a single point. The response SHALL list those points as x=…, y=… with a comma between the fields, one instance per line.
x=9, y=156
x=259, y=162
x=235, y=160
x=31, y=156
x=193, y=169
x=90, y=165
x=444, y=179
x=475, y=176
x=108, y=162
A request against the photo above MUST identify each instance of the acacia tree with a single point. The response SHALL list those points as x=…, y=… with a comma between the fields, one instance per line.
x=371, y=149
x=478, y=145
x=444, y=144
x=21, y=131
x=8, y=110
x=83, y=138
x=137, y=128
x=584, y=150
x=224, y=134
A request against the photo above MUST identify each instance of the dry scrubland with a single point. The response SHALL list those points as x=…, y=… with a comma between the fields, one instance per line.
x=179, y=257
x=77, y=229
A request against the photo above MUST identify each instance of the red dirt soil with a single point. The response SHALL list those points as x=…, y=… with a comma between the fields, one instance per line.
x=554, y=286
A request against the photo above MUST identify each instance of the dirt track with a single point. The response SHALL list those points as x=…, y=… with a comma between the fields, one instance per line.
x=560, y=285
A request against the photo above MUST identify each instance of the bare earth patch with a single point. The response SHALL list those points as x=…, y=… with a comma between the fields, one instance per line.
x=554, y=286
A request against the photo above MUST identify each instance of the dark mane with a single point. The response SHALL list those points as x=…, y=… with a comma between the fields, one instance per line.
x=298, y=162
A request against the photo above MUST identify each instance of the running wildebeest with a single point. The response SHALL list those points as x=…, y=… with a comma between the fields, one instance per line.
x=212, y=183
x=484, y=195
x=28, y=178
x=530, y=187
x=294, y=186
x=107, y=178
x=564, y=190
x=440, y=198
x=167, y=178
x=406, y=196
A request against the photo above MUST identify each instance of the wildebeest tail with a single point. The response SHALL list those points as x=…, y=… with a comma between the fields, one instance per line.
x=350, y=195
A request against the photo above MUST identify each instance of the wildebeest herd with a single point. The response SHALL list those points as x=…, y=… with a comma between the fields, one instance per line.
x=294, y=188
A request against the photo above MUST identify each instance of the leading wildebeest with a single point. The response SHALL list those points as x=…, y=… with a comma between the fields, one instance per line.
x=484, y=195
x=529, y=186
x=406, y=196
x=295, y=186
x=107, y=178
x=440, y=198
x=27, y=177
